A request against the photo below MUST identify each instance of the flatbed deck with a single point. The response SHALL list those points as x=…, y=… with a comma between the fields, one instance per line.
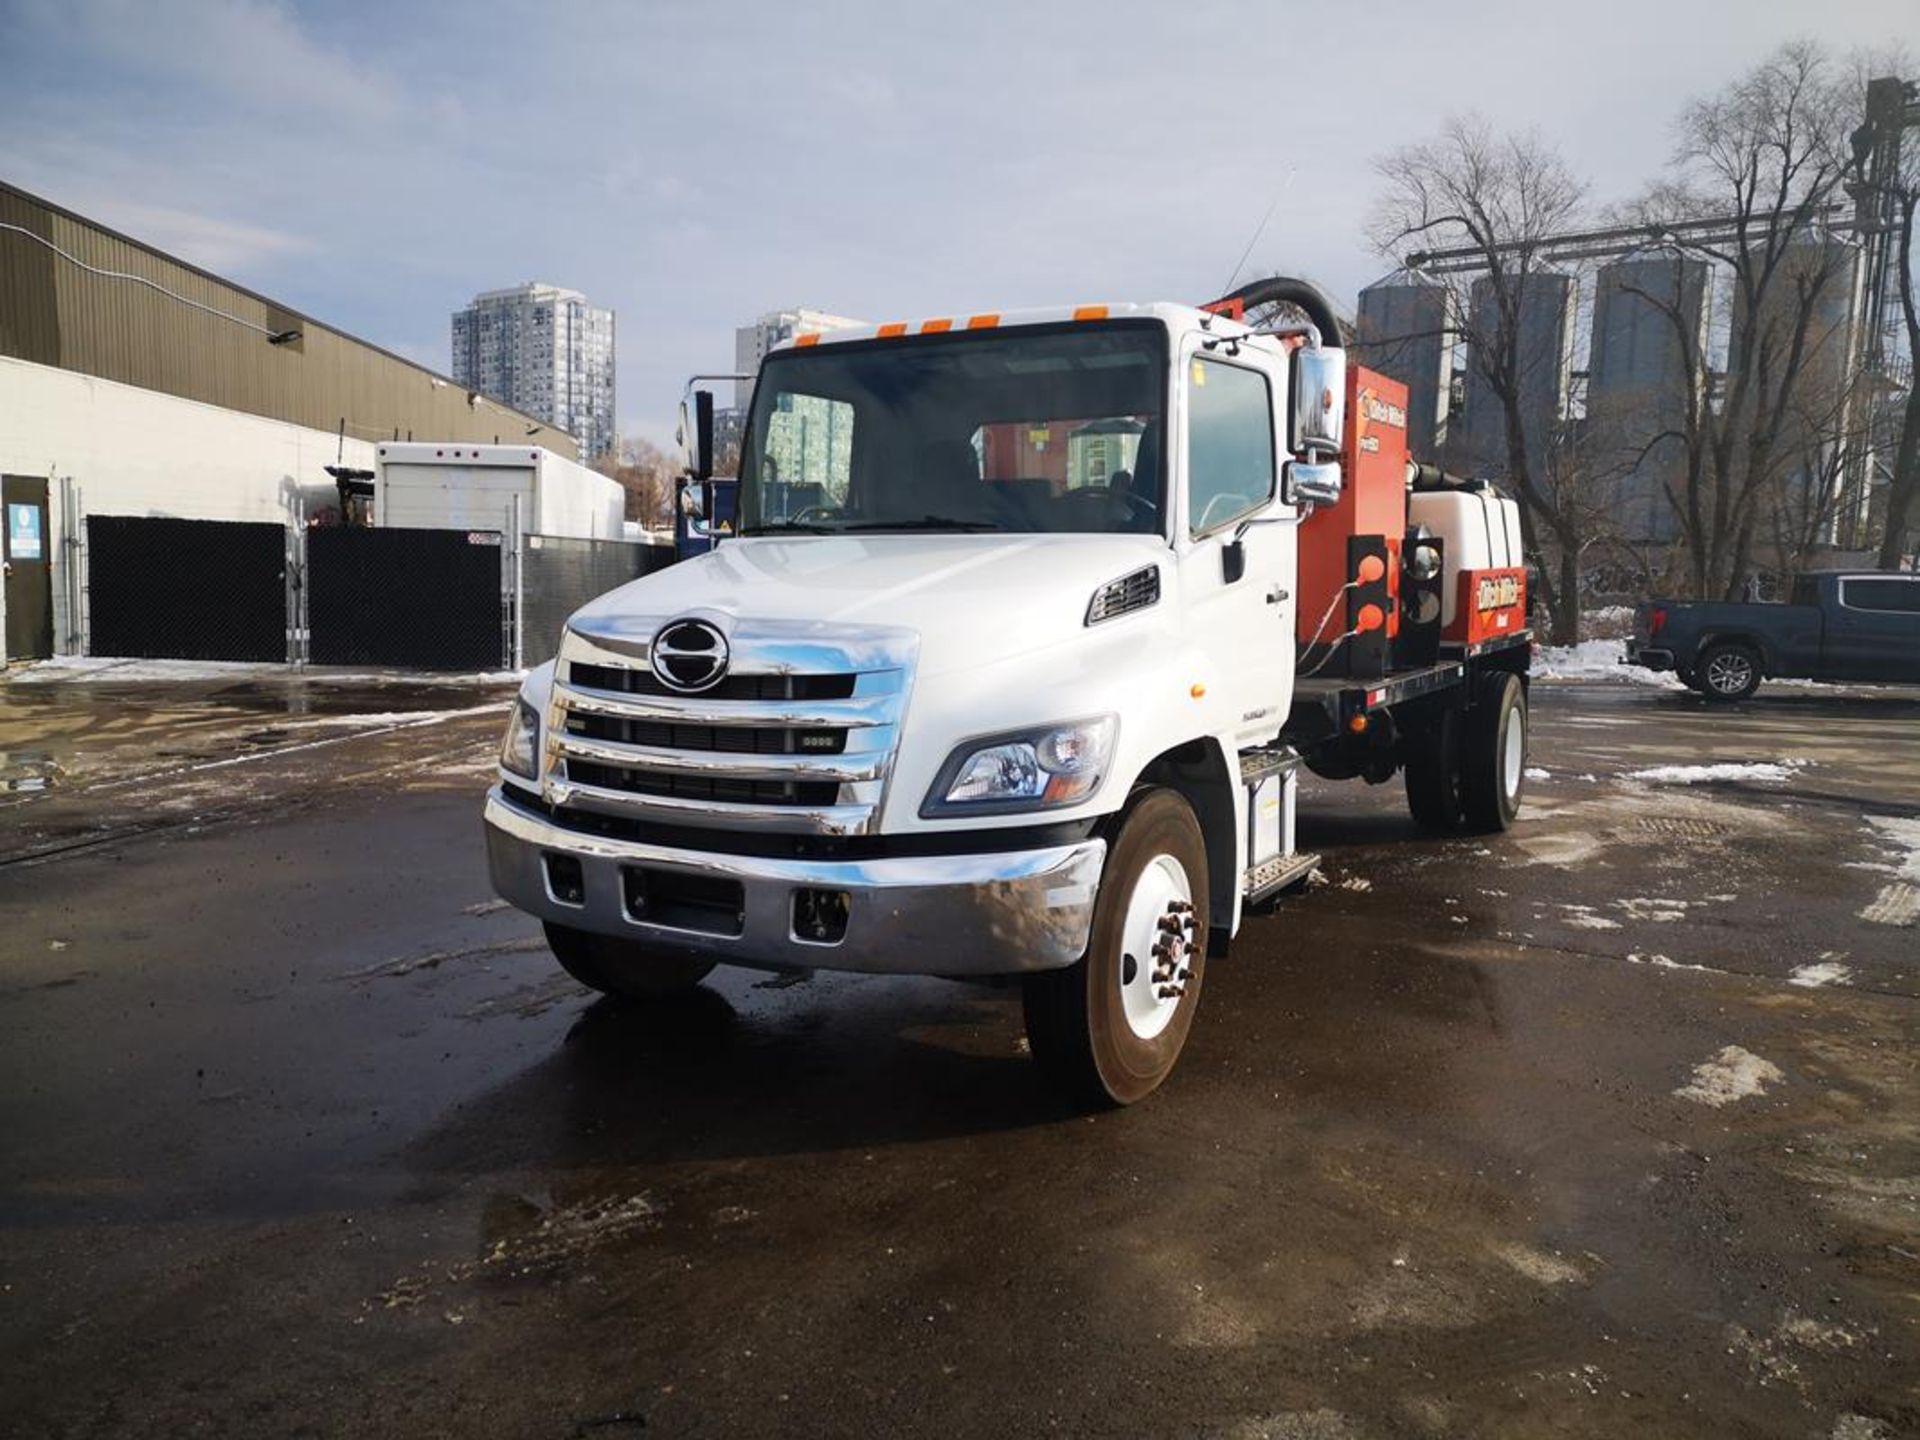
x=1325, y=705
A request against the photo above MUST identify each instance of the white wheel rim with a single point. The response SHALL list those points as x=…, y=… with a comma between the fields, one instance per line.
x=1153, y=986
x=1516, y=749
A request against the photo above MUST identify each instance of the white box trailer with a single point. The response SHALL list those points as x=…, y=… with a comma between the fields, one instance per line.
x=434, y=486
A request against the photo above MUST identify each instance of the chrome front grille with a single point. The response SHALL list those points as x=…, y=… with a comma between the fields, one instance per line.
x=798, y=737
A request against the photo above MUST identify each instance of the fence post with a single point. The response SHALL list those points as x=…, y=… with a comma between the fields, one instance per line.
x=82, y=578
x=296, y=575
x=519, y=586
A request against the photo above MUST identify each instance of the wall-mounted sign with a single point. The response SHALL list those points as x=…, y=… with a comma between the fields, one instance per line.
x=23, y=533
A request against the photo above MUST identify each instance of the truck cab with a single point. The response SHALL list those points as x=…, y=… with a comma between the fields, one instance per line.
x=994, y=679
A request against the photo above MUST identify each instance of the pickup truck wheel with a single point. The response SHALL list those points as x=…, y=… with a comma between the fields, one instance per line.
x=1110, y=1026
x=1493, y=762
x=1729, y=671
x=624, y=969
x=1433, y=776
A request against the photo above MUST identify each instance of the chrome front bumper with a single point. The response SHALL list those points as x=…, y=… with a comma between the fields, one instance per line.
x=998, y=913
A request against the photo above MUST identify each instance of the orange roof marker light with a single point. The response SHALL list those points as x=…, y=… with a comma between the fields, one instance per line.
x=936, y=327
x=983, y=322
x=803, y=340
x=888, y=332
x=1197, y=690
x=1091, y=312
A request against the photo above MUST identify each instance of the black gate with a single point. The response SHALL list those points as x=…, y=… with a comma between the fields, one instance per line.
x=165, y=589
x=424, y=599
x=558, y=575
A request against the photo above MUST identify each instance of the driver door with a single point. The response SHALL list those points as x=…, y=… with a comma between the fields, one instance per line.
x=1231, y=458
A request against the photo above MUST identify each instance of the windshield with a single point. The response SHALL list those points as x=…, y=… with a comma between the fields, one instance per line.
x=1049, y=429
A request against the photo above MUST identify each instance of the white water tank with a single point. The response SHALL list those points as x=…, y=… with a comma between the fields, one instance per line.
x=1480, y=529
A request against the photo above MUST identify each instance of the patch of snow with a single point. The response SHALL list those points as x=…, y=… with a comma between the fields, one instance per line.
x=1534, y=772
x=1582, y=918
x=1896, y=904
x=1663, y=962
x=399, y=718
x=1661, y=911
x=1598, y=660
x=1356, y=882
x=1903, y=837
x=1732, y=1075
x=1774, y=770
x=106, y=669
x=1824, y=972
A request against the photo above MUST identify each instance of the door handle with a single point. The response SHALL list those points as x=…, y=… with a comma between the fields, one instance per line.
x=1276, y=596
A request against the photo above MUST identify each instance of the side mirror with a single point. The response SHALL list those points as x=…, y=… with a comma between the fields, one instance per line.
x=1311, y=484
x=696, y=503
x=1319, y=408
x=696, y=434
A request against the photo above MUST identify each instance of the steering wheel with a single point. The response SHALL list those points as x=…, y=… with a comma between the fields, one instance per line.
x=825, y=512
x=1129, y=502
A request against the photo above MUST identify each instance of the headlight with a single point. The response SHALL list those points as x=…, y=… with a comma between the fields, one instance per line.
x=1027, y=770
x=520, y=751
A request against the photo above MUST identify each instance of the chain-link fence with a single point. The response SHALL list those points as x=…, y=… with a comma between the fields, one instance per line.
x=161, y=588
x=558, y=575
x=420, y=599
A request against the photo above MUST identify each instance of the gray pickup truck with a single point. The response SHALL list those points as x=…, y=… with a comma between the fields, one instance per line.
x=1839, y=625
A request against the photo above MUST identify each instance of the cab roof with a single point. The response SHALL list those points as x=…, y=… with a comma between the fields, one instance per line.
x=1175, y=316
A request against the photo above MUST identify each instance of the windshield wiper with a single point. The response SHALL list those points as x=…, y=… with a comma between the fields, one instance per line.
x=794, y=527
x=925, y=522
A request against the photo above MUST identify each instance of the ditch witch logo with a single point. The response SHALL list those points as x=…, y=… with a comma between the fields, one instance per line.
x=1373, y=410
x=1496, y=592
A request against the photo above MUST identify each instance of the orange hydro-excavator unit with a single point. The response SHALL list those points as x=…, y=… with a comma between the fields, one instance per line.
x=1409, y=562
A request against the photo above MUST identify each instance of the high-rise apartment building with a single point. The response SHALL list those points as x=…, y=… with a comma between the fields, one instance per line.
x=752, y=342
x=545, y=351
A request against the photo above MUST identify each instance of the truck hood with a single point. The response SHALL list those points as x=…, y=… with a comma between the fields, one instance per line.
x=972, y=599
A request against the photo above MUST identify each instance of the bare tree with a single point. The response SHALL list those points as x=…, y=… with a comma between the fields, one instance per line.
x=647, y=474
x=1902, y=189
x=1503, y=196
x=1765, y=156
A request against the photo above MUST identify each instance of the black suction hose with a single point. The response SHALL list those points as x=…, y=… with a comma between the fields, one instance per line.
x=1306, y=296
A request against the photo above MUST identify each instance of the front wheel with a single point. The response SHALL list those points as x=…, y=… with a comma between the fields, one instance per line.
x=1110, y=1026
x=624, y=969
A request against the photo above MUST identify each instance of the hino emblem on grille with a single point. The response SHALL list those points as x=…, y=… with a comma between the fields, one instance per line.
x=689, y=656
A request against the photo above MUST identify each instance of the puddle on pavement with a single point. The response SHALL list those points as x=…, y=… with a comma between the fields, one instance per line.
x=28, y=772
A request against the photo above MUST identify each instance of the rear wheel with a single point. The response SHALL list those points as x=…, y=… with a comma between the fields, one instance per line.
x=1433, y=775
x=1493, y=762
x=1729, y=671
x=626, y=969
x=1110, y=1026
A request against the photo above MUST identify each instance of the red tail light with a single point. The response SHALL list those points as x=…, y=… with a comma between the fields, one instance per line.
x=1656, y=623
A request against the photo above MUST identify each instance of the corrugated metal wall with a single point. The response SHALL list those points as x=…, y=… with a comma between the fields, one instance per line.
x=53, y=312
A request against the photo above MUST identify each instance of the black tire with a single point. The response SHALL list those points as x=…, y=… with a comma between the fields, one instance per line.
x=1493, y=752
x=1078, y=1024
x=1433, y=775
x=1728, y=671
x=624, y=969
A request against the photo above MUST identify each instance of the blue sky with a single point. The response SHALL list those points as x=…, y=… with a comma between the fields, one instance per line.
x=694, y=165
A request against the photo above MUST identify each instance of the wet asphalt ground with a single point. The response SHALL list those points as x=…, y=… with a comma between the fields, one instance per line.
x=1609, y=1126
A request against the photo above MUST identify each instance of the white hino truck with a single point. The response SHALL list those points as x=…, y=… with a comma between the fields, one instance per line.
x=1027, y=624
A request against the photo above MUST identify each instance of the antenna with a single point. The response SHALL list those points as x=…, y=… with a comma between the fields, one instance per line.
x=1260, y=229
